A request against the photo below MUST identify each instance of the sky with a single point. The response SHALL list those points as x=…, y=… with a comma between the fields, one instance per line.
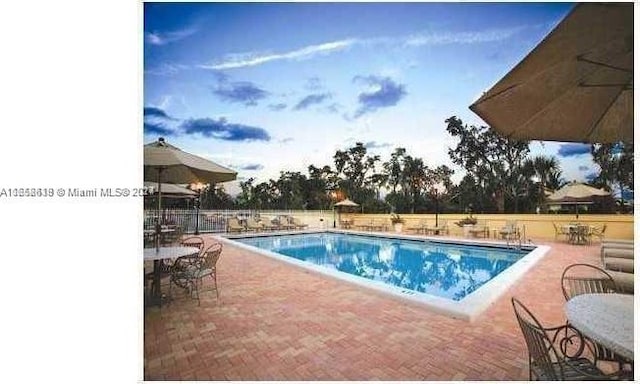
x=265, y=88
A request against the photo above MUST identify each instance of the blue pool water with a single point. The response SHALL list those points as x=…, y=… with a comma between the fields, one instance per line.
x=450, y=271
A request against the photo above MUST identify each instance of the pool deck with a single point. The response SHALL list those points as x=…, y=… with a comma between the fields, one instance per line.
x=275, y=321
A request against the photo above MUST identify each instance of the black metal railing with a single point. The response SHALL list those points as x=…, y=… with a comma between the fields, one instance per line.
x=209, y=221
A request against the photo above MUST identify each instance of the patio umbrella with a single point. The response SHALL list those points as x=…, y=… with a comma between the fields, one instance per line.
x=343, y=203
x=576, y=85
x=576, y=194
x=347, y=203
x=164, y=162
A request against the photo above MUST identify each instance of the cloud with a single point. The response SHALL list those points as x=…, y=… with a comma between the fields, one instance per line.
x=221, y=129
x=334, y=108
x=156, y=112
x=286, y=140
x=474, y=37
x=384, y=92
x=157, y=129
x=162, y=38
x=574, y=149
x=155, y=122
x=313, y=83
x=251, y=59
x=277, y=107
x=166, y=69
x=374, y=144
x=249, y=167
x=240, y=92
x=583, y=168
x=310, y=100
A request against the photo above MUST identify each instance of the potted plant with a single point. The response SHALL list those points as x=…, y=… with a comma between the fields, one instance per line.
x=467, y=223
x=397, y=222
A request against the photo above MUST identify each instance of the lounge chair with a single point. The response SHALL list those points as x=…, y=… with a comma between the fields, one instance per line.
x=618, y=264
x=297, y=223
x=267, y=225
x=233, y=225
x=623, y=280
x=283, y=223
x=253, y=225
x=617, y=243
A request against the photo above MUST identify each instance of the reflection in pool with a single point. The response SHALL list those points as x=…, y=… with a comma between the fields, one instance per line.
x=447, y=270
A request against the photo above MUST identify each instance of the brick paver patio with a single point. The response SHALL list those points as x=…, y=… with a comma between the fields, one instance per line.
x=274, y=321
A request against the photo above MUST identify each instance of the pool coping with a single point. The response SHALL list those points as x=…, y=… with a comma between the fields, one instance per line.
x=468, y=308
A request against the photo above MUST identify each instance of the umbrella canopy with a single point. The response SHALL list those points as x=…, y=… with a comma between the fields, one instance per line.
x=180, y=167
x=347, y=203
x=576, y=193
x=576, y=85
x=171, y=190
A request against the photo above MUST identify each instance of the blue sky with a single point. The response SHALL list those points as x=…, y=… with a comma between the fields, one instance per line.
x=263, y=88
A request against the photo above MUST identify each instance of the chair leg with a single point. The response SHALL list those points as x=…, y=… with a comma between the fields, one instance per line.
x=195, y=286
x=215, y=282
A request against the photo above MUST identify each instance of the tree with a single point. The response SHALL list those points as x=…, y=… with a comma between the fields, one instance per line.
x=354, y=169
x=215, y=197
x=616, y=166
x=492, y=160
x=414, y=179
x=393, y=168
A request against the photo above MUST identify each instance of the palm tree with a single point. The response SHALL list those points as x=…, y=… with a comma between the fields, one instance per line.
x=415, y=179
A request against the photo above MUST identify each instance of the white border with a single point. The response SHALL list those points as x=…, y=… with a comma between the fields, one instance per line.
x=467, y=309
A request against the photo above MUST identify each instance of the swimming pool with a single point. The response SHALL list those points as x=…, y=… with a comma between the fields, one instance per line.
x=459, y=278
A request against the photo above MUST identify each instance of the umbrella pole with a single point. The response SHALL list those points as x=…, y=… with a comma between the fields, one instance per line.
x=158, y=226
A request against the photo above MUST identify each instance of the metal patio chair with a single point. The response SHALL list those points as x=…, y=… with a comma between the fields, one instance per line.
x=556, y=353
x=188, y=272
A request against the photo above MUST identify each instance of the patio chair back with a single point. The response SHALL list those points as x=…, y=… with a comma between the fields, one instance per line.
x=598, y=231
x=210, y=258
x=193, y=241
x=580, y=279
x=542, y=353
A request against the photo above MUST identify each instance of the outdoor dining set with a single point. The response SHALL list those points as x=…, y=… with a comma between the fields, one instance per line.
x=579, y=233
x=184, y=264
x=595, y=343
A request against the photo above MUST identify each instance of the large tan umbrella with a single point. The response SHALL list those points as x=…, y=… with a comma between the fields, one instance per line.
x=576, y=194
x=347, y=203
x=165, y=163
x=576, y=85
x=343, y=203
x=163, y=160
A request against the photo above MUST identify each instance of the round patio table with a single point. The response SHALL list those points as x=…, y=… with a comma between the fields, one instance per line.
x=606, y=318
x=163, y=253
